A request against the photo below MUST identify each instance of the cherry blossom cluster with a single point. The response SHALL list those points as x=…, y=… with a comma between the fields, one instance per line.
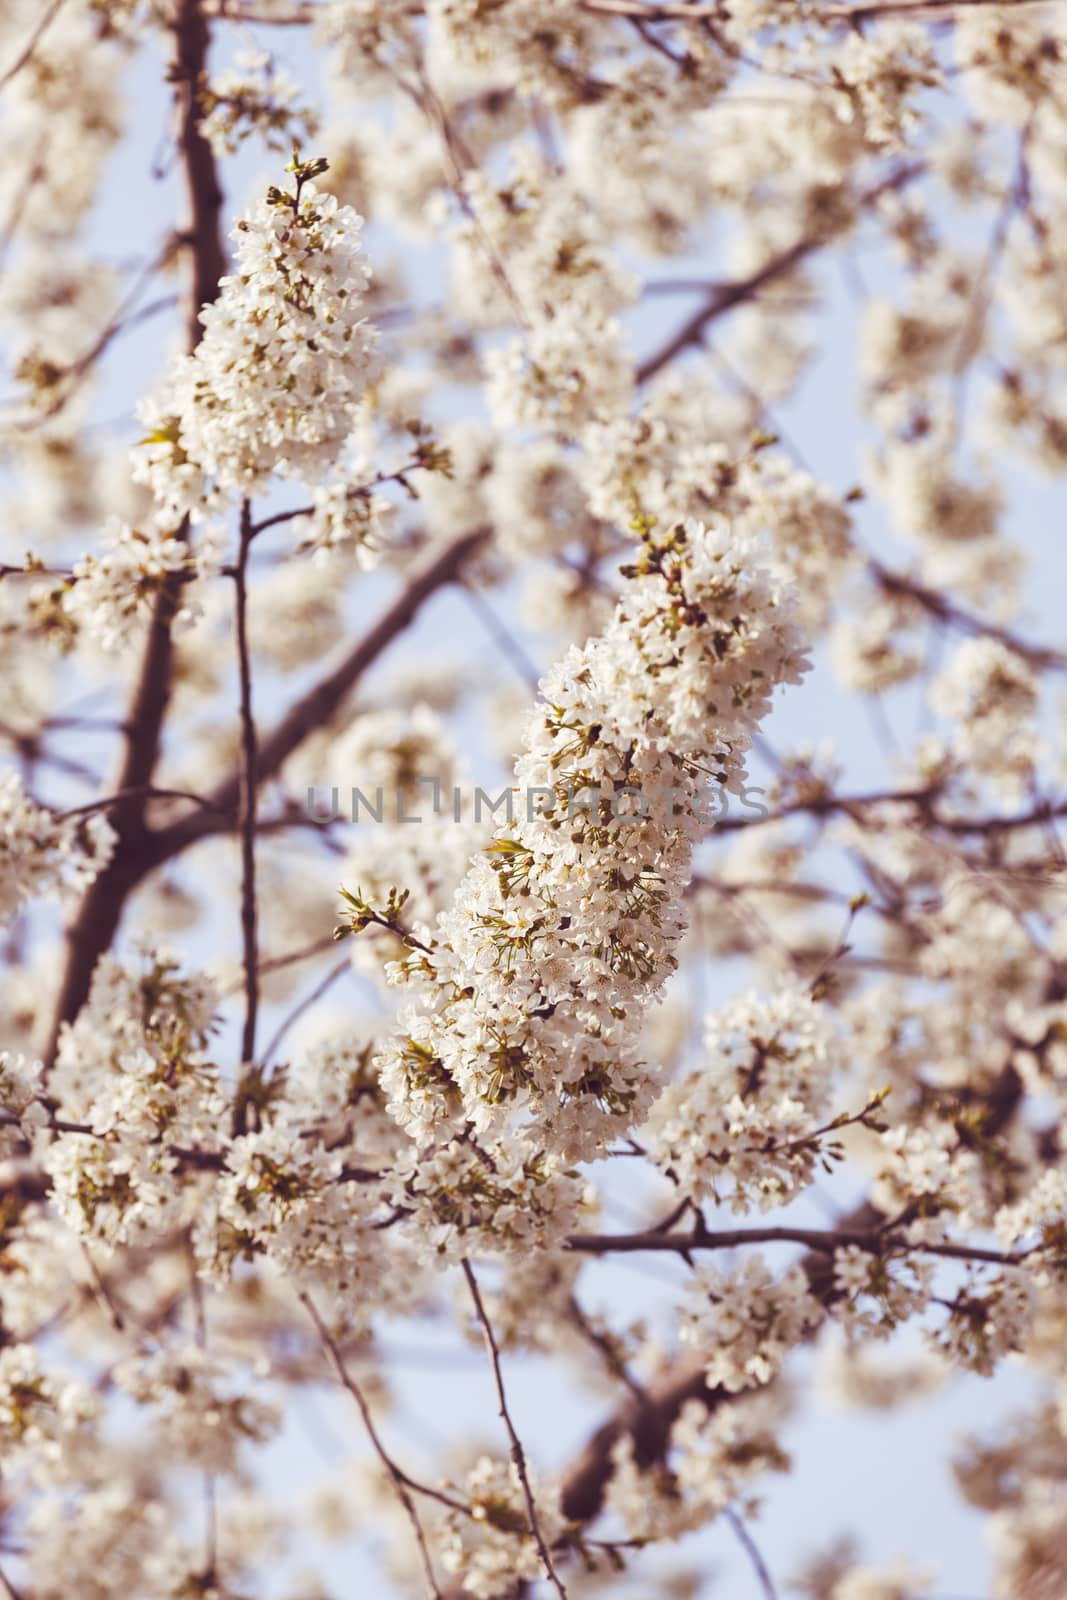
x=748, y=1122
x=286, y=357
x=254, y=96
x=531, y=991
x=42, y=853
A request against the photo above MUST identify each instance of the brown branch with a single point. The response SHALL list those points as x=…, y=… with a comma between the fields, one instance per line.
x=1042, y=657
x=202, y=236
x=605, y=1346
x=853, y=805
x=299, y=17
x=460, y=161
x=315, y=708
x=140, y=850
x=127, y=316
x=502, y=636
x=1015, y=200
x=402, y=1484
x=725, y=297
x=647, y=1422
x=291, y=958
x=102, y=1291
x=671, y=11
x=326, y=983
x=9, y=571
x=823, y=1240
x=97, y=919
x=282, y=516
x=753, y=1552
x=246, y=797
x=147, y=792
x=44, y=22
x=704, y=10
x=518, y=1455
x=916, y=8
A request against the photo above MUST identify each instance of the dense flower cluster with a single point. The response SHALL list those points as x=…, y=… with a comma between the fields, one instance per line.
x=533, y=989
x=255, y=96
x=45, y=854
x=286, y=357
x=491, y=1543
x=749, y=1120
x=41, y=1416
x=112, y=592
x=748, y=1322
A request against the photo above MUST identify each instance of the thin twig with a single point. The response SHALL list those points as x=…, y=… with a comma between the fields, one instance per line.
x=127, y=316
x=1042, y=657
x=305, y=1005
x=44, y=22
x=282, y=516
x=708, y=10
x=605, y=1346
x=291, y=959
x=9, y=571
x=459, y=160
x=246, y=805
x=501, y=635
x=211, y=1531
x=518, y=1455
x=677, y=11
x=101, y=1290
x=752, y=1551
x=725, y=297
x=401, y=1483
x=146, y=790
x=933, y=9
x=301, y=17
x=211, y=1505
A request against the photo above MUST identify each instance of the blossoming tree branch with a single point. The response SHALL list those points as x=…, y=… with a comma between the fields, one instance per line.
x=411, y=399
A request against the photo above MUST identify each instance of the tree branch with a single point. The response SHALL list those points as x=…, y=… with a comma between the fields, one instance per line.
x=246, y=806
x=518, y=1455
x=96, y=921
x=44, y=22
x=725, y=297
x=316, y=707
x=202, y=236
x=299, y=1010
x=399, y=1479
x=148, y=792
x=753, y=1552
x=823, y=1240
x=648, y=1422
x=1041, y=657
x=140, y=850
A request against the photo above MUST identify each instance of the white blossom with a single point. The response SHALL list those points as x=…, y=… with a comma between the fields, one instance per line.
x=45, y=854
x=285, y=359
